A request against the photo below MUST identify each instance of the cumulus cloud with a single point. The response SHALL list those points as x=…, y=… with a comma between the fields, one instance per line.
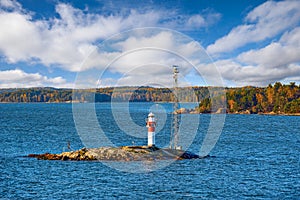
x=274, y=55
x=143, y=57
x=278, y=61
x=236, y=74
x=10, y=5
x=19, y=37
x=264, y=22
x=258, y=75
x=196, y=21
x=200, y=20
x=65, y=41
x=69, y=41
x=19, y=79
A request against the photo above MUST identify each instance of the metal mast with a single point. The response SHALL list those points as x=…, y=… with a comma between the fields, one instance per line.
x=175, y=127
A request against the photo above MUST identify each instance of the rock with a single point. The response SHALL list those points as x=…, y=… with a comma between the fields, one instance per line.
x=181, y=111
x=221, y=111
x=124, y=153
x=186, y=111
x=194, y=111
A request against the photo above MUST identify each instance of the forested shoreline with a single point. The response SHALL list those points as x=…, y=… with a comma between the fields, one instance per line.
x=277, y=98
x=119, y=94
x=274, y=99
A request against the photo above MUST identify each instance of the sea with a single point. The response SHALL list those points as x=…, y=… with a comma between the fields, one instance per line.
x=251, y=156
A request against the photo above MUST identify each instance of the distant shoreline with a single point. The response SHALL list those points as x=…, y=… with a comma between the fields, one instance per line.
x=275, y=114
x=223, y=111
x=180, y=111
x=277, y=99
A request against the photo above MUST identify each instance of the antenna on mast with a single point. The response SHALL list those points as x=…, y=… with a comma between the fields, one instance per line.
x=175, y=123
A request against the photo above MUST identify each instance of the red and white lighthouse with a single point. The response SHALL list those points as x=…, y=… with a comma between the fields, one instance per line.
x=151, y=124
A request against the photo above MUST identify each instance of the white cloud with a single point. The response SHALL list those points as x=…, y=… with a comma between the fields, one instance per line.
x=10, y=4
x=155, y=51
x=20, y=39
x=277, y=61
x=196, y=21
x=237, y=74
x=291, y=38
x=49, y=42
x=265, y=21
x=18, y=78
x=199, y=20
x=143, y=57
x=260, y=76
x=65, y=41
x=272, y=56
x=69, y=39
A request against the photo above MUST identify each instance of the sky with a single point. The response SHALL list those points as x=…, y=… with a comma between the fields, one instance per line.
x=100, y=43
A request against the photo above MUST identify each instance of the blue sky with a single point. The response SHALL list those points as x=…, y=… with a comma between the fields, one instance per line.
x=68, y=44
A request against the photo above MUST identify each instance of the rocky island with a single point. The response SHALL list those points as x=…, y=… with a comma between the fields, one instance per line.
x=124, y=153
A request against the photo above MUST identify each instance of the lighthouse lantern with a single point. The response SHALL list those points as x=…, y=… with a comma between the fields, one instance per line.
x=151, y=124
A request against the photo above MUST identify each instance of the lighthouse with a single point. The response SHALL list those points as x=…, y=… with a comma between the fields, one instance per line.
x=151, y=124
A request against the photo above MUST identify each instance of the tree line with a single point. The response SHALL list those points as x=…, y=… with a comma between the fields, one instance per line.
x=277, y=98
x=120, y=94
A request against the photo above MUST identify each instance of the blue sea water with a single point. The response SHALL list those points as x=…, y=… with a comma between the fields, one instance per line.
x=256, y=157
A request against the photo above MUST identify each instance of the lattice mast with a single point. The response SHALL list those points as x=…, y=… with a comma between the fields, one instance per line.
x=175, y=123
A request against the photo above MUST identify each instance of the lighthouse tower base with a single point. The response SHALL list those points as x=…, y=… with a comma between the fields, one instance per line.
x=151, y=139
